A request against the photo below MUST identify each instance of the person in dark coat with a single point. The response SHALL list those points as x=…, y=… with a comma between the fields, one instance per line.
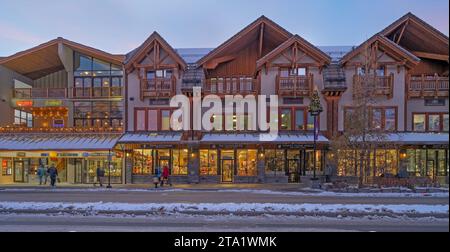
x=100, y=175
x=53, y=174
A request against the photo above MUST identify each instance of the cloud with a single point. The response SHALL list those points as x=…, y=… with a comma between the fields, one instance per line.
x=13, y=33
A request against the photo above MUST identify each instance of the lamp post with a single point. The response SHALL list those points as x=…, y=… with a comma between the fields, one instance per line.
x=315, y=108
x=109, y=169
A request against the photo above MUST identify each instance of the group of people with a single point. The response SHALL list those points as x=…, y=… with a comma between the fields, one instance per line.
x=43, y=174
x=161, y=177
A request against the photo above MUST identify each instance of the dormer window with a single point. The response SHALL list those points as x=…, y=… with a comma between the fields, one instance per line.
x=380, y=71
x=289, y=72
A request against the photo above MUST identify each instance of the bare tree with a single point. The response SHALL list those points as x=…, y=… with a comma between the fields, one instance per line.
x=360, y=138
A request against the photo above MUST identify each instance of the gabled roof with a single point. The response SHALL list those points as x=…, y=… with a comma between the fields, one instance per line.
x=309, y=49
x=411, y=17
x=393, y=50
x=262, y=20
x=43, y=59
x=420, y=38
x=138, y=53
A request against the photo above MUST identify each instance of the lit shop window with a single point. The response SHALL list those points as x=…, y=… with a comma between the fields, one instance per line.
x=22, y=118
x=275, y=162
x=180, y=162
x=142, y=162
x=247, y=160
x=6, y=166
x=208, y=162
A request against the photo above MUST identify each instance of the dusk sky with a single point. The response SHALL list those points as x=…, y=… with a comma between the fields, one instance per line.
x=118, y=26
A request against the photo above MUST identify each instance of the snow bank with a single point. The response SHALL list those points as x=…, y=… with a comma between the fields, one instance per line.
x=226, y=207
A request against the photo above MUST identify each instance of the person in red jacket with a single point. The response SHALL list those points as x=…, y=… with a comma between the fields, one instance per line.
x=165, y=176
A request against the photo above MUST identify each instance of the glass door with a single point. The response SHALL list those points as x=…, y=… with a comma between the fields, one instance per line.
x=227, y=170
x=78, y=167
x=19, y=171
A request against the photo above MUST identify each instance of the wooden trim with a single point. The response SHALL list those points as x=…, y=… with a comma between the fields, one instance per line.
x=434, y=56
x=159, y=117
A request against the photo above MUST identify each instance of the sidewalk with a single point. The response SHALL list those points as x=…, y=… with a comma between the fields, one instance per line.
x=196, y=187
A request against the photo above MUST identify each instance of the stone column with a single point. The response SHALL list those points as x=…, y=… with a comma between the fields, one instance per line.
x=194, y=165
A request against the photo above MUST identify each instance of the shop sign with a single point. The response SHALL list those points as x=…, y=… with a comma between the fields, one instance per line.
x=148, y=146
x=154, y=102
x=100, y=154
x=434, y=102
x=24, y=104
x=21, y=154
x=85, y=154
x=45, y=154
x=53, y=103
x=291, y=146
x=67, y=155
x=224, y=146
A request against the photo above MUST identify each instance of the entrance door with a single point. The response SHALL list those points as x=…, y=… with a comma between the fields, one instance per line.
x=294, y=170
x=163, y=162
x=78, y=167
x=227, y=170
x=19, y=171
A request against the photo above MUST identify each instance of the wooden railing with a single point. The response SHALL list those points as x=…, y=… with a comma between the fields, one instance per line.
x=231, y=86
x=39, y=93
x=381, y=85
x=96, y=92
x=427, y=86
x=295, y=85
x=159, y=87
x=63, y=93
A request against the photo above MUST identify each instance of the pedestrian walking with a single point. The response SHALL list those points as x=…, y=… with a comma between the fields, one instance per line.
x=53, y=174
x=157, y=177
x=100, y=175
x=165, y=176
x=42, y=173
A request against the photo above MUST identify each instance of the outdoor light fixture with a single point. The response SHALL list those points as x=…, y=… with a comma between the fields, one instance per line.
x=315, y=108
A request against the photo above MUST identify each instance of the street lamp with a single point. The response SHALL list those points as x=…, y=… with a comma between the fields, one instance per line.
x=315, y=108
x=109, y=169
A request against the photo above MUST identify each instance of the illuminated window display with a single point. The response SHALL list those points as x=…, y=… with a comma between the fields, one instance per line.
x=208, y=162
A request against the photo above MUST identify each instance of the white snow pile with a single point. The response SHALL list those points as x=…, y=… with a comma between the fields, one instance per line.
x=225, y=207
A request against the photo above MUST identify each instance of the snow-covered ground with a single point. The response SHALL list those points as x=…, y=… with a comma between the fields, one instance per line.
x=311, y=192
x=227, y=208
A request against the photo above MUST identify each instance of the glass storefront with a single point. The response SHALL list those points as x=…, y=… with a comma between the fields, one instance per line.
x=208, y=162
x=146, y=160
x=427, y=162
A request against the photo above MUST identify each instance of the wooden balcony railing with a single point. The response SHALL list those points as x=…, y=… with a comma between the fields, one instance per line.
x=64, y=93
x=427, y=86
x=231, y=86
x=39, y=93
x=381, y=85
x=95, y=92
x=159, y=87
x=295, y=85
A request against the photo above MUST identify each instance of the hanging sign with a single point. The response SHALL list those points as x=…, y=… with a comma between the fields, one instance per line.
x=53, y=103
x=24, y=104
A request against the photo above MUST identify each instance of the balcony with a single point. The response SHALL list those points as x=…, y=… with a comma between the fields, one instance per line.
x=427, y=86
x=64, y=93
x=381, y=85
x=295, y=85
x=95, y=92
x=40, y=93
x=231, y=86
x=159, y=87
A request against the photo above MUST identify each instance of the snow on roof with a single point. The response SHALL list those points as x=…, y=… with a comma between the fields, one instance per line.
x=419, y=138
x=150, y=137
x=246, y=137
x=24, y=142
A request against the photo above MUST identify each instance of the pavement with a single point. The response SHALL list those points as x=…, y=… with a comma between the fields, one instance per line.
x=187, y=223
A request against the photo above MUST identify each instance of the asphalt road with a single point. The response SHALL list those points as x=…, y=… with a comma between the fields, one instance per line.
x=181, y=223
x=204, y=197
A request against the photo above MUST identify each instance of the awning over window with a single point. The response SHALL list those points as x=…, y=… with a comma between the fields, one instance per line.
x=150, y=138
x=266, y=138
x=418, y=138
x=55, y=142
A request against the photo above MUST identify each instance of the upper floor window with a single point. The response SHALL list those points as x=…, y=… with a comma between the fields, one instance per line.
x=23, y=118
x=296, y=119
x=88, y=66
x=433, y=122
x=148, y=119
x=160, y=74
x=287, y=72
x=380, y=71
x=380, y=118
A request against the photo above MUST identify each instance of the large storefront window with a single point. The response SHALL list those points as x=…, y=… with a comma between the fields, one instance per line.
x=6, y=166
x=347, y=163
x=142, y=162
x=427, y=162
x=386, y=163
x=180, y=162
x=208, y=162
x=275, y=162
x=247, y=160
x=98, y=114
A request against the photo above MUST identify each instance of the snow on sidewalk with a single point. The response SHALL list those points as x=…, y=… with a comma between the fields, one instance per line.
x=226, y=207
